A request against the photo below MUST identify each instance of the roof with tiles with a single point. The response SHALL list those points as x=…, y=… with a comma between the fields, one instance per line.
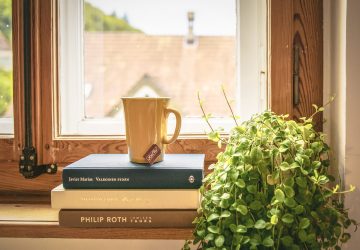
x=118, y=63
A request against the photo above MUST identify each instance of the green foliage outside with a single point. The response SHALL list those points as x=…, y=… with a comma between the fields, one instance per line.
x=6, y=79
x=5, y=19
x=271, y=188
x=97, y=20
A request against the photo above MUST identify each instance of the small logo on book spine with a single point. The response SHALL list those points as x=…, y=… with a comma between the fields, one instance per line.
x=191, y=179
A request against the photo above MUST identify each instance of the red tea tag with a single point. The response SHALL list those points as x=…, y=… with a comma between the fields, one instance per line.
x=153, y=152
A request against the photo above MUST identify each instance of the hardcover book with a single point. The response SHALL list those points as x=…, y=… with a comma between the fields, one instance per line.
x=111, y=171
x=125, y=198
x=127, y=218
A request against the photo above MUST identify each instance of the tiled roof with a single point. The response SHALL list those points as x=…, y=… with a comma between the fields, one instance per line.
x=115, y=62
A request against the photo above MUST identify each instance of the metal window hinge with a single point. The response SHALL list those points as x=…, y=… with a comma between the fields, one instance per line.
x=28, y=164
x=28, y=160
x=296, y=75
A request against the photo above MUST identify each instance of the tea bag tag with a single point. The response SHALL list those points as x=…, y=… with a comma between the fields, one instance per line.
x=153, y=152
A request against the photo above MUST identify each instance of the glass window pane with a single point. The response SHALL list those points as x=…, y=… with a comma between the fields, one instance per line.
x=175, y=48
x=159, y=48
x=6, y=76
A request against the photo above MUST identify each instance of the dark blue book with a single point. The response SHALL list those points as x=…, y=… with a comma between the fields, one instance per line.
x=115, y=171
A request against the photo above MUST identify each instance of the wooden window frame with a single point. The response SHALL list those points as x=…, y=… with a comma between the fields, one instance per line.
x=285, y=19
x=9, y=146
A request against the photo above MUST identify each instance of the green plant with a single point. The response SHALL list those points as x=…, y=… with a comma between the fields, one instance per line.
x=271, y=189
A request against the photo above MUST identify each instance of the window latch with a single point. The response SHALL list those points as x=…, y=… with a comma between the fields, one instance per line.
x=28, y=160
x=296, y=75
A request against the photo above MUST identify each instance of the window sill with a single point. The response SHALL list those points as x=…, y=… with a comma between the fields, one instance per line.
x=40, y=221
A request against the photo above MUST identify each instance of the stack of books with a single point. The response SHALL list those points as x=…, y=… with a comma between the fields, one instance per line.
x=106, y=190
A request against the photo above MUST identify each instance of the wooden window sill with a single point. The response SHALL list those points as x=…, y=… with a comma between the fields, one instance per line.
x=40, y=221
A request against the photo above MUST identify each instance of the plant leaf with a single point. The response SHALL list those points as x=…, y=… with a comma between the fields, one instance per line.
x=242, y=209
x=241, y=229
x=289, y=191
x=268, y=242
x=255, y=205
x=274, y=219
x=219, y=241
x=287, y=241
x=225, y=214
x=256, y=155
x=212, y=217
x=214, y=229
x=260, y=224
x=252, y=189
x=304, y=223
x=287, y=218
x=240, y=183
x=279, y=195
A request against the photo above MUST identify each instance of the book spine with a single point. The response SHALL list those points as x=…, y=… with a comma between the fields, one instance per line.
x=127, y=218
x=126, y=199
x=132, y=179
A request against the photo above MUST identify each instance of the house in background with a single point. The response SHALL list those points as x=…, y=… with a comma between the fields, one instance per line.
x=136, y=64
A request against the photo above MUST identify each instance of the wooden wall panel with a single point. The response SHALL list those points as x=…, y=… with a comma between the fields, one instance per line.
x=7, y=149
x=280, y=68
x=308, y=27
x=296, y=22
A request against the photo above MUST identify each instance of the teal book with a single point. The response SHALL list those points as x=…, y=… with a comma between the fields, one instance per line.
x=115, y=171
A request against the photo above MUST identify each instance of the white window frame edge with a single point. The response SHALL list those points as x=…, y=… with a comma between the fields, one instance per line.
x=72, y=105
x=253, y=97
x=252, y=80
x=6, y=127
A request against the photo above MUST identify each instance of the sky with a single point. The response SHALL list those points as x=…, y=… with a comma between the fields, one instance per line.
x=169, y=17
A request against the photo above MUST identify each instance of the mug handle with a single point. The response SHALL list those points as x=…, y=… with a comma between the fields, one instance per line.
x=178, y=125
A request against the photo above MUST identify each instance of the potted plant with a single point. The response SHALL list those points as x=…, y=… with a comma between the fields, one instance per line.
x=271, y=188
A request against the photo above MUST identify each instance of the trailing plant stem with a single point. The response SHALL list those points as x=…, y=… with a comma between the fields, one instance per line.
x=228, y=103
x=207, y=120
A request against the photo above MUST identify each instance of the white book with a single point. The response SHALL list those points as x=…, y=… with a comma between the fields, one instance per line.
x=124, y=198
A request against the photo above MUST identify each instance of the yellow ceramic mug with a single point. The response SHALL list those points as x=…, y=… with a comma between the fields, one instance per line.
x=146, y=125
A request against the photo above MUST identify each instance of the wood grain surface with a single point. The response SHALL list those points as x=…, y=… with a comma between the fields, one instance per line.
x=13, y=181
x=8, y=149
x=280, y=68
x=296, y=22
x=52, y=230
x=308, y=34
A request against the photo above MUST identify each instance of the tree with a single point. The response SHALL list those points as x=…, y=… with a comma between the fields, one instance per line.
x=6, y=79
x=5, y=75
x=97, y=20
x=5, y=18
